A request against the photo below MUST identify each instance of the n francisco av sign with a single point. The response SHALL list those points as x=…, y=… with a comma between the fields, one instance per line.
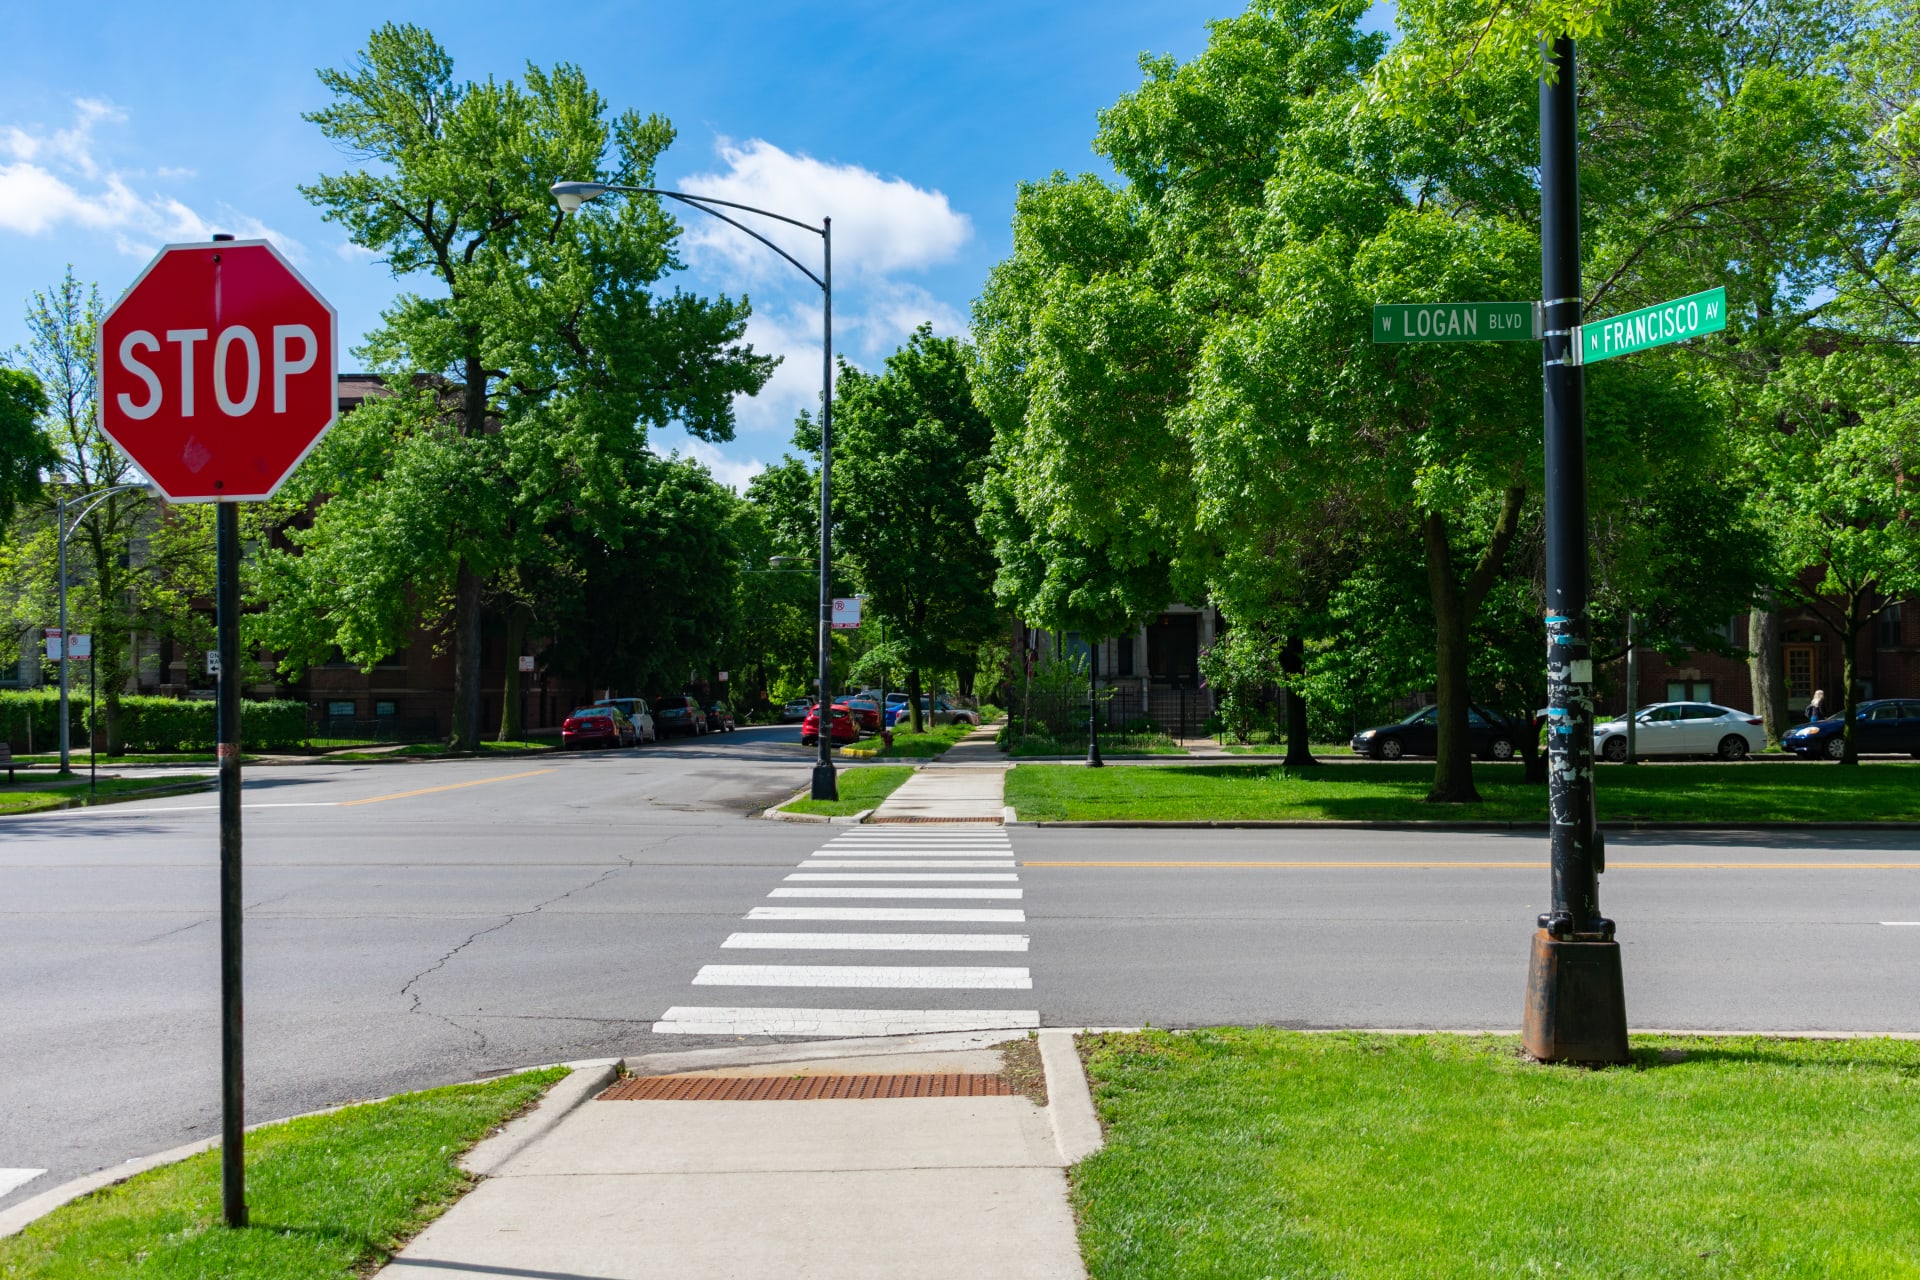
x=1456, y=322
x=1654, y=326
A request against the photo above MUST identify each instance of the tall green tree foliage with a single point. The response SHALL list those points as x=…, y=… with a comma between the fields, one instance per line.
x=25, y=450
x=525, y=377
x=910, y=447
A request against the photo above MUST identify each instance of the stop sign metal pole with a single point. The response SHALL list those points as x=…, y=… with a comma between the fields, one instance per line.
x=1575, y=1006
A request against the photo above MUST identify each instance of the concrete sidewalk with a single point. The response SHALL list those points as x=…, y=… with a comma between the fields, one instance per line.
x=838, y=1189
x=967, y=782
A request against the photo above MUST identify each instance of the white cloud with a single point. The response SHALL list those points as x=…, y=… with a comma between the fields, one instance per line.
x=56, y=177
x=727, y=471
x=880, y=225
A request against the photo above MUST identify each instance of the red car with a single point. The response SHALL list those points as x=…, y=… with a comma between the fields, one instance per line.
x=867, y=711
x=844, y=729
x=597, y=727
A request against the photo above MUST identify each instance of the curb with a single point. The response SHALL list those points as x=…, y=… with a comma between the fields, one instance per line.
x=29, y=1211
x=1076, y=1127
x=781, y=815
x=1307, y=824
x=148, y=793
x=589, y=1078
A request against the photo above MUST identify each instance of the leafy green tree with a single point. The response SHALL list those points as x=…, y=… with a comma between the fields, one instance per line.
x=25, y=450
x=525, y=384
x=910, y=446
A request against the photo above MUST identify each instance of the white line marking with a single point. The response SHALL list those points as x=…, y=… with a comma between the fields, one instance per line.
x=697, y=1020
x=927, y=915
x=878, y=941
x=902, y=864
x=121, y=811
x=908, y=875
x=1902, y=924
x=943, y=977
x=12, y=1179
x=895, y=893
x=911, y=853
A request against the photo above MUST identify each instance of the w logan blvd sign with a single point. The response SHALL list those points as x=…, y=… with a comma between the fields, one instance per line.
x=1456, y=322
x=1654, y=326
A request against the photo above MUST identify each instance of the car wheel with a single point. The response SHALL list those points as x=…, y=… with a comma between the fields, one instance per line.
x=1733, y=747
x=1615, y=749
x=1390, y=749
x=1836, y=746
x=1501, y=749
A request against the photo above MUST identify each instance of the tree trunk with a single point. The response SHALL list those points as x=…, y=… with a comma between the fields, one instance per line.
x=1293, y=660
x=512, y=727
x=1453, y=753
x=913, y=699
x=1768, y=673
x=1849, y=658
x=466, y=660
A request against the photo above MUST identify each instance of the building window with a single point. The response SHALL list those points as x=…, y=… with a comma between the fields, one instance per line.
x=1888, y=627
x=1689, y=691
x=386, y=709
x=1123, y=656
x=340, y=710
x=1799, y=670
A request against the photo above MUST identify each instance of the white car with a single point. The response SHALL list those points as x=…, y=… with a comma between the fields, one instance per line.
x=1683, y=729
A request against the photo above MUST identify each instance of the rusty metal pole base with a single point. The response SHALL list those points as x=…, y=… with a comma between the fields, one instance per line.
x=1576, y=1002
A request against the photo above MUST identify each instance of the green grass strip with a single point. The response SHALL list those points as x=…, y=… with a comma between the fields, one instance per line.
x=52, y=797
x=860, y=788
x=329, y=1196
x=1756, y=791
x=932, y=741
x=1258, y=1152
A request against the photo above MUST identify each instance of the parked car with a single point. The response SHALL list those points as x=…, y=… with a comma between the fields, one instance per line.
x=1493, y=736
x=635, y=710
x=844, y=729
x=865, y=711
x=1880, y=726
x=719, y=718
x=679, y=714
x=597, y=726
x=796, y=711
x=1682, y=729
x=939, y=711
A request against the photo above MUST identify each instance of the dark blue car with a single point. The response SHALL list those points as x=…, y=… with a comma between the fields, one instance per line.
x=1880, y=727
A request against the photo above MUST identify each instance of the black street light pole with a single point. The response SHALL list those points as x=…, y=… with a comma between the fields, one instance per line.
x=1576, y=1005
x=570, y=196
x=1093, y=706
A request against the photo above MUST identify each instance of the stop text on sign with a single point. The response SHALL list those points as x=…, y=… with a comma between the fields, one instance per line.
x=1456, y=322
x=294, y=349
x=1655, y=326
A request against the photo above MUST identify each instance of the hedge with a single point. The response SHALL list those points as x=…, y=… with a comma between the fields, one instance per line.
x=148, y=723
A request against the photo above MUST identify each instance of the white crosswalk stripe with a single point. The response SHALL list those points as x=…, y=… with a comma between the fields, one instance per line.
x=890, y=869
x=878, y=941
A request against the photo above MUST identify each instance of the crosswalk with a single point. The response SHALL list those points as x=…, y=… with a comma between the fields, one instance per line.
x=886, y=877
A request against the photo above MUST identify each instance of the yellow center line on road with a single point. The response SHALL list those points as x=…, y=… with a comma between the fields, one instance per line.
x=451, y=786
x=1537, y=865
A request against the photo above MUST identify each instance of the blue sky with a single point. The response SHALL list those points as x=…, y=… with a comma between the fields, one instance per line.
x=127, y=125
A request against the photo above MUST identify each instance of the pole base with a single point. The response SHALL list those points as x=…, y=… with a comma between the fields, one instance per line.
x=825, y=786
x=1576, y=1002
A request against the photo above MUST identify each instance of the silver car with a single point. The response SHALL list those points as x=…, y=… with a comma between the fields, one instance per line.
x=1683, y=729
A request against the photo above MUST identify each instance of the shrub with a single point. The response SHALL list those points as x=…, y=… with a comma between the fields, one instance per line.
x=148, y=723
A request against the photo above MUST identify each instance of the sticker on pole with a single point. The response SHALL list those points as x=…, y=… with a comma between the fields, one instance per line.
x=846, y=613
x=1655, y=326
x=217, y=371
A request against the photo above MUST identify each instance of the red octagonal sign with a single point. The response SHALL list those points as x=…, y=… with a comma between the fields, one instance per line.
x=217, y=371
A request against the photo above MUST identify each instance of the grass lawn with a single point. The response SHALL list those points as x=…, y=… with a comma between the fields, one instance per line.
x=860, y=788
x=1111, y=744
x=1270, y=747
x=44, y=797
x=908, y=744
x=79, y=758
x=1756, y=791
x=329, y=1196
x=1259, y=1152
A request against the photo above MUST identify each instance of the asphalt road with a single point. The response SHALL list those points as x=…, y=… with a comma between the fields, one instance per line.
x=417, y=924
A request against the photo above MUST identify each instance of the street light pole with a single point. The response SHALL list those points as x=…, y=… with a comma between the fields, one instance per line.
x=1093, y=707
x=1575, y=1006
x=570, y=196
x=63, y=530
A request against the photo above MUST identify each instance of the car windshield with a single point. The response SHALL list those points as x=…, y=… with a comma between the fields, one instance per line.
x=672, y=704
x=590, y=712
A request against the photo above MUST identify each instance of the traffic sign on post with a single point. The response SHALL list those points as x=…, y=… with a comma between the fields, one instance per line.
x=846, y=613
x=1456, y=322
x=1654, y=326
x=217, y=371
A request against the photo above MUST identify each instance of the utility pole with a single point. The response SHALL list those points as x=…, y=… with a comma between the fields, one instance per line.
x=1576, y=1004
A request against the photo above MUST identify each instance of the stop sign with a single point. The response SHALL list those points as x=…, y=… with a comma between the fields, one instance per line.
x=217, y=371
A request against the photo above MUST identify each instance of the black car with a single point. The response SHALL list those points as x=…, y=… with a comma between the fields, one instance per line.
x=678, y=714
x=1880, y=727
x=1494, y=736
x=719, y=718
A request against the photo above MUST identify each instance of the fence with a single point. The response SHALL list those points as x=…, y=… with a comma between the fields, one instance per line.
x=1179, y=713
x=346, y=731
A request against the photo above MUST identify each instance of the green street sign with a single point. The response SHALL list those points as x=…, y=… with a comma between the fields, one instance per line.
x=1655, y=326
x=1456, y=322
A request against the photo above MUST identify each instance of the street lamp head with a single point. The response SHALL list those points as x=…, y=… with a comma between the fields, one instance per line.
x=571, y=195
